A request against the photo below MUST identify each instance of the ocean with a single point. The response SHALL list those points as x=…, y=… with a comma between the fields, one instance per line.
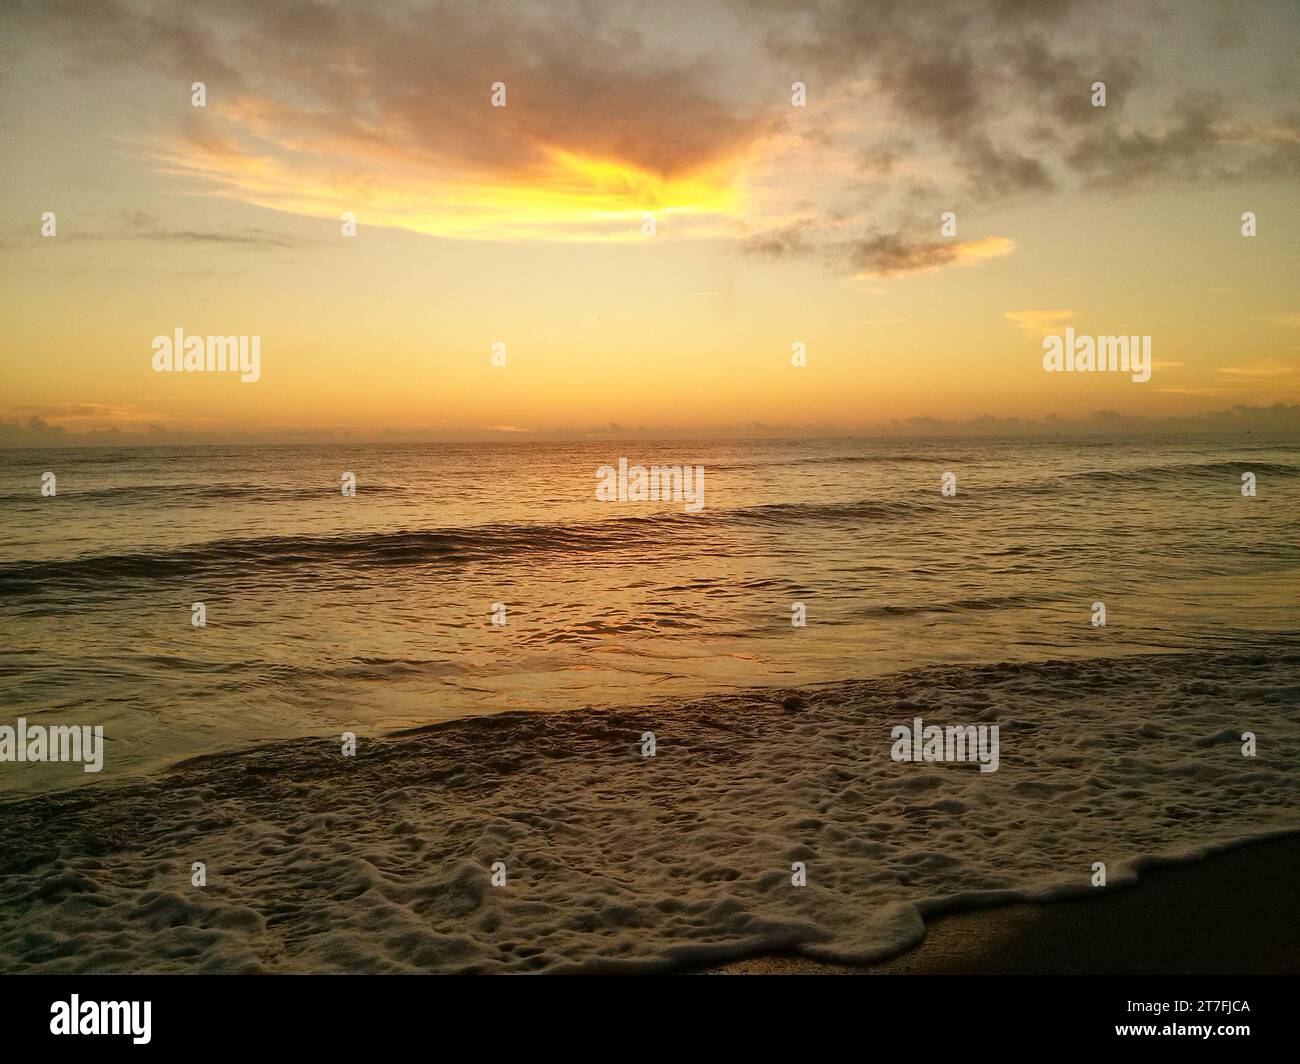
x=589, y=736
x=375, y=612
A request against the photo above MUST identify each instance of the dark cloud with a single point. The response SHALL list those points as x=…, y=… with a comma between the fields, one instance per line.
x=892, y=253
x=1228, y=31
x=939, y=63
x=990, y=101
x=897, y=253
x=1000, y=91
x=142, y=225
x=994, y=173
x=877, y=254
x=881, y=158
x=131, y=225
x=36, y=432
x=115, y=33
x=939, y=89
x=1202, y=142
x=787, y=242
x=980, y=75
x=1061, y=83
x=1035, y=11
x=412, y=84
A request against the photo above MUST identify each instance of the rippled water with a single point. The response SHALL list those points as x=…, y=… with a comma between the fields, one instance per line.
x=327, y=613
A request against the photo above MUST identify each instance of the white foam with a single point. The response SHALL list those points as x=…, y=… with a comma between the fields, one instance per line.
x=616, y=862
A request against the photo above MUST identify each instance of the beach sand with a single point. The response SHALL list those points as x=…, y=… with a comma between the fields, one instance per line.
x=1235, y=913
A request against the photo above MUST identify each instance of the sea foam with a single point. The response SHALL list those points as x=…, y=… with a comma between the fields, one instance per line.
x=618, y=862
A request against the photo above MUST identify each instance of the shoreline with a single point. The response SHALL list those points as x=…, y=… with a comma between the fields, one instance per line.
x=164, y=767
x=1234, y=913
x=520, y=843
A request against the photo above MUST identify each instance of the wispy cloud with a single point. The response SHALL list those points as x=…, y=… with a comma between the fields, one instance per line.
x=84, y=417
x=1265, y=369
x=892, y=255
x=1039, y=322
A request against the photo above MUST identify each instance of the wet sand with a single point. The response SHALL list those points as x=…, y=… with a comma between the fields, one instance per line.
x=1235, y=913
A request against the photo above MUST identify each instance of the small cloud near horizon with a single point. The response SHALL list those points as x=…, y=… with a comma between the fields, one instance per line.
x=1040, y=322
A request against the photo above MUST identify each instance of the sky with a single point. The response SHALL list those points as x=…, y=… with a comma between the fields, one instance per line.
x=528, y=225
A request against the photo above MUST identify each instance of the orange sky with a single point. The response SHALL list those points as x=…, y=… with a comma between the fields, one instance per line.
x=527, y=224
